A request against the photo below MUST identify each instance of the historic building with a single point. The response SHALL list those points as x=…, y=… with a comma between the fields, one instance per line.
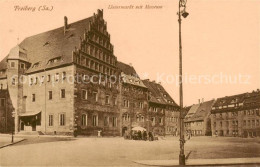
x=197, y=121
x=237, y=115
x=133, y=99
x=6, y=109
x=68, y=80
x=163, y=112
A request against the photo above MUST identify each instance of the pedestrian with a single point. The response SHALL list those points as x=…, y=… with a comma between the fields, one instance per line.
x=145, y=135
x=139, y=135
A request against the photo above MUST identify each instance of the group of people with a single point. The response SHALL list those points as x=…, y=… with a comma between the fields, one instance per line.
x=139, y=135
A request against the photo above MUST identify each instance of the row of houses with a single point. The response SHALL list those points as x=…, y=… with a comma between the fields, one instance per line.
x=68, y=80
x=236, y=115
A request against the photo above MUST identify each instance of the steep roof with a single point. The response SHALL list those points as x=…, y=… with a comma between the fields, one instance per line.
x=3, y=63
x=158, y=93
x=202, y=111
x=127, y=69
x=129, y=79
x=53, y=44
x=191, y=112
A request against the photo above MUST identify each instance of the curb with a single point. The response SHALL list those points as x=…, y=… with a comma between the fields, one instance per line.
x=12, y=143
x=202, y=162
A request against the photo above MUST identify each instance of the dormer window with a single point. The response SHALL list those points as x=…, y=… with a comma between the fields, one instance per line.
x=54, y=60
x=36, y=65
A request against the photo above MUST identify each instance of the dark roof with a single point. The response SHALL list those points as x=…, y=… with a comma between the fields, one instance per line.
x=3, y=63
x=202, y=111
x=252, y=97
x=53, y=44
x=158, y=94
x=127, y=69
x=224, y=101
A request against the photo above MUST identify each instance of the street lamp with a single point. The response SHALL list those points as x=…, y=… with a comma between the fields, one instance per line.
x=182, y=12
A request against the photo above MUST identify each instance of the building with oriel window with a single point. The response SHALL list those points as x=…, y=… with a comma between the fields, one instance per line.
x=237, y=115
x=68, y=81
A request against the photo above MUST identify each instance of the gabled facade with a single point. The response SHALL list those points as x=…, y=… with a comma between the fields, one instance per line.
x=163, y=112
x=133, y=99
x=197, y=121
x=68, y=81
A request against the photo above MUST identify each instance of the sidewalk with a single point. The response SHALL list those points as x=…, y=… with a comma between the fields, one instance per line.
x=6, y=140
x=201, y=162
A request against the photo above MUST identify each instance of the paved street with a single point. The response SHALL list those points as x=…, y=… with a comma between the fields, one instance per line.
x=117, y=151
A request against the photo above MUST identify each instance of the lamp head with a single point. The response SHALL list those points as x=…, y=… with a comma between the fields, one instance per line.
x=185, y=14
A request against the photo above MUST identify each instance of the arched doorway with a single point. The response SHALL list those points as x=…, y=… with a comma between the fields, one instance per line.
x=124, y=129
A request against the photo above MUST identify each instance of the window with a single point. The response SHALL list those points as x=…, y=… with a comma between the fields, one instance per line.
x=214, y=124
x=33, y=98
x=153, y=120
x=36, y=80
x=227, y=123
x=49, y=78
x=1, y=86
x=84, y=120
x=253, y=122
x=220, y=124
x=95, y=120
x=114, y=121
x=50, y=120
x=50, y=95
x=62, y=119
x=62, y=93
x=244, y=123
x=160, y=120
x=126, y=103
x=249, y=123
x=42, y=79
x=64, y=75
x=114, y=101
x=84, y=94
x=257, y=122
x=141, y=105
x=13, y=81
x=22, y=66
x=2, y=102
x=95, y=95
x=107, y=99
x=57, y=76
x=106, y=121
x=12, y=64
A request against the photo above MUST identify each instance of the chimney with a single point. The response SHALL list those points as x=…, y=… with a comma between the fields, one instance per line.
x=65, y=24
x=130, y=64
x=199, y=101
x=202, y=101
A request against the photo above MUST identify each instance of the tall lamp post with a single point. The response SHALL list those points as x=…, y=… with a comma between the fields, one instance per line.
x=182, y=12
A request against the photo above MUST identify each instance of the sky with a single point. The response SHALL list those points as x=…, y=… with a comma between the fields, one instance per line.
x=221, y=40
